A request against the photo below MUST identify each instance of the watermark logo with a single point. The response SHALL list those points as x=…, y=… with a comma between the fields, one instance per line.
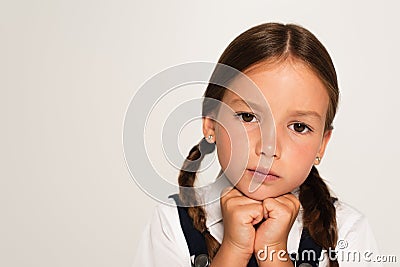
x=152, y=136
x=342, y=244
x=340, y=254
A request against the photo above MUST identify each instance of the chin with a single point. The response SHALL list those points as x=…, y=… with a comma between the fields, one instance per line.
x=262, y=193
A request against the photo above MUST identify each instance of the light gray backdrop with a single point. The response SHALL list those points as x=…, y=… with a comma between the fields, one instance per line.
x=68, y=70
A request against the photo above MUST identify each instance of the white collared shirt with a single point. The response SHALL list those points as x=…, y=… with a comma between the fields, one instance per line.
x=163, y=243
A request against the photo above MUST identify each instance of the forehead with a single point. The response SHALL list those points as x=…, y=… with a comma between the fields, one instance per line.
x=286, y=86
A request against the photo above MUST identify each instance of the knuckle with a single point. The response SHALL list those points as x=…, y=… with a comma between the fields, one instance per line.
x=287, y=211
x=223, y=200
x=260, y=208
x=230, y=204
x=268, y=201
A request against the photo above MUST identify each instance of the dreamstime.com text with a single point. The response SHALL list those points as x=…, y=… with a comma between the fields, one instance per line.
x=340, y=254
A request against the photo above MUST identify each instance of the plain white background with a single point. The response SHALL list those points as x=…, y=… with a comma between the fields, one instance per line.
x=68, y=70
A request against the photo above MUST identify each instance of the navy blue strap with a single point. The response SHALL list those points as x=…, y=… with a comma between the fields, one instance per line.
x=307, y=248
x=252, y=262
x=195, y=240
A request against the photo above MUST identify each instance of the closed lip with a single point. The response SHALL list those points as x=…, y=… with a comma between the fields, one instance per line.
x=263, y=171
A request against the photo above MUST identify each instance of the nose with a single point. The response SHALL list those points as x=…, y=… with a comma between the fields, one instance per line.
x=268, y=143
x=269, y=151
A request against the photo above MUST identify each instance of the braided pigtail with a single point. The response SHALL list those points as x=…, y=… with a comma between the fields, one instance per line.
x=319, y=215
x=186, y=178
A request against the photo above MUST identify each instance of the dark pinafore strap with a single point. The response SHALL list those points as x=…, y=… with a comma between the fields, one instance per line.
x=194, y=239
x=197, y=243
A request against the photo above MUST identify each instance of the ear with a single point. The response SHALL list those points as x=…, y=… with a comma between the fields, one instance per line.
x=209, y=128
x=325, y=140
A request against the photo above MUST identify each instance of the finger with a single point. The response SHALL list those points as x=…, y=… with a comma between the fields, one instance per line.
x=256, y=213
x=286, y=202
x=274, y=208
x=250, y=214
x=280, y=206
x=226, y=194
x=291, y=197
x=241, y=201
x=239, y=197
x=290, y=200
x=269, y=205
x=235, y=198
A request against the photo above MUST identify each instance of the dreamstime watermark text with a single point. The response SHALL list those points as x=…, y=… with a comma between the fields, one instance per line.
x=341, y=254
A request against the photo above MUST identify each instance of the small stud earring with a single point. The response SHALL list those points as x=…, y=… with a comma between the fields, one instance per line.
x=318, y=159
x=210, y=137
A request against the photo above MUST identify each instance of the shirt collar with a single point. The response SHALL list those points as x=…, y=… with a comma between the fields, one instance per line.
x=212, y=195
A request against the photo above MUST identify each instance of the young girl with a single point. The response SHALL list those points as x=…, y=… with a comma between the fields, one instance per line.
x=291, y=209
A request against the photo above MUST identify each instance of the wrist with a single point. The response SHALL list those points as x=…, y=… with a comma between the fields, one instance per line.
x=230, y=255
x=234, y=249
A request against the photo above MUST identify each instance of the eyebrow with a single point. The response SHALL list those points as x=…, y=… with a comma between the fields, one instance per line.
x=306, y=113
x=247, y=103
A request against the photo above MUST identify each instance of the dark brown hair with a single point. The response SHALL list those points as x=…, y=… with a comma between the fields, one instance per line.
x=274, y=42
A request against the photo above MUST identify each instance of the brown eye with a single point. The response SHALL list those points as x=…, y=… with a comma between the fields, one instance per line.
x=246, y=117
x=300, y=128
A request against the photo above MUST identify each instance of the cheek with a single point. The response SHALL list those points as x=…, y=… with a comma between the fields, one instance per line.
x=224, y=148
x=233, y=153
x=302, y=155
x=307, y=152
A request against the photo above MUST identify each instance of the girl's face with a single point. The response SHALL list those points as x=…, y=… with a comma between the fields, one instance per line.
x=298, y=101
